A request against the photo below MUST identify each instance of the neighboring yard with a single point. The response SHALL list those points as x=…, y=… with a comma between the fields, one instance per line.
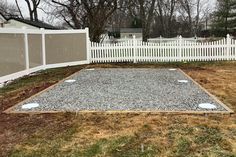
x=121, y=134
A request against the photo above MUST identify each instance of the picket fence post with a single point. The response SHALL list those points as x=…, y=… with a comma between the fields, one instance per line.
x=135, y=49
x=180, y=47
x=26, y=49
x=228, y=46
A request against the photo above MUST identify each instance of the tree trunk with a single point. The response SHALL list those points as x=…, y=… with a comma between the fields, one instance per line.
x=226, y=25
x=146, y=18
x=36, y=15
x=17, y=5
x=30, y=10
x=160, y=7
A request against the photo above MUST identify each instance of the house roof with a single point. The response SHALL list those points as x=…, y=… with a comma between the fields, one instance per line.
x=2, y=17
x=131, y=30
x=38, y=24
x=125, y=30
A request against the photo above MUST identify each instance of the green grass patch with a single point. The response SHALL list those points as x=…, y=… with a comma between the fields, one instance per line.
x=208, y=135
x=183, y=147
x=121, y=146
x=116, y=147
x=37, y=145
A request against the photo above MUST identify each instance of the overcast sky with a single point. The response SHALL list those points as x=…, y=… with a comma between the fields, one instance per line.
x=24, y=9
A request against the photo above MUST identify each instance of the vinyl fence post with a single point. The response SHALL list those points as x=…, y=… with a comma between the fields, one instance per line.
x=135, y=48
x=43, y=47
x=88, y=45
x=180, y=48
x=228, y=46
x=26, y=49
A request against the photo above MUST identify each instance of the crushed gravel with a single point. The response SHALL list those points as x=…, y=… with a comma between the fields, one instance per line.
x=124, y=89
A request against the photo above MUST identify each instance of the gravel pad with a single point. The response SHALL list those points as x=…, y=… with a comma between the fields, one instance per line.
x=123, y=90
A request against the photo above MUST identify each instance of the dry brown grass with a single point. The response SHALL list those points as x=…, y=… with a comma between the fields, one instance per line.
x=220, y=81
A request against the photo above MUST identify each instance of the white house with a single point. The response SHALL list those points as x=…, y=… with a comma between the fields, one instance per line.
x=19, y=23
x=130, y=32
x=126, y=32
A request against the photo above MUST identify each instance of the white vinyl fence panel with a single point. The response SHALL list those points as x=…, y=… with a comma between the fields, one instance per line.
x=174, y=51
x=24, y=51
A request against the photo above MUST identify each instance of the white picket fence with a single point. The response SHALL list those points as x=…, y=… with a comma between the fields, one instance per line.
x=161, y=39
x=174, y=51
x=106, y=39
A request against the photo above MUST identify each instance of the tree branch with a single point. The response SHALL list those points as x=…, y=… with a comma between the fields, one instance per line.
x=18, y=7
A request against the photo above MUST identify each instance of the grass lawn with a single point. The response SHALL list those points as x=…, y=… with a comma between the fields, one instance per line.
x=120, y=134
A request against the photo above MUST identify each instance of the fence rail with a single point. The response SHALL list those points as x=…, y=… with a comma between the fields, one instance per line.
x=161, y=39
x=106, y=39
x=174, y=51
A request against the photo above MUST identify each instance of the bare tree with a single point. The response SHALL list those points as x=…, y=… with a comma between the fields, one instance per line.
x=98, y=14
x=19, y=10
x=197, y=18
x=171, y=16
x=146, y=12
x=124, y=15
x=202, y=10
x=187, y=6
x=93, y=13
x=165, y=11
x=70, y=11
x=9, y=10
x=32, y=6
x=194, y=13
